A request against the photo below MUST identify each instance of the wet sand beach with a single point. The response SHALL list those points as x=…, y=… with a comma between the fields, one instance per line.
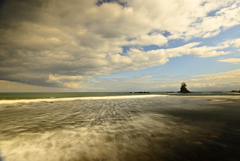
x=159, y=128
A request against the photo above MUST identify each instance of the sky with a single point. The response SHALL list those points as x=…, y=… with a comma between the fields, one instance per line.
x=119, y=45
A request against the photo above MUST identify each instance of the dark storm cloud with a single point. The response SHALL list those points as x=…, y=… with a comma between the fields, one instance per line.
x=2, y=2
x=14, y=11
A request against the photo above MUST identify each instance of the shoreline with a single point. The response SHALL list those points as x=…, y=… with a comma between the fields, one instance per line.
x=51, y=100
x=75, y=98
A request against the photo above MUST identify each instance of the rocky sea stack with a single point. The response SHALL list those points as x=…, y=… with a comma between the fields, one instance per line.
x=183, y=88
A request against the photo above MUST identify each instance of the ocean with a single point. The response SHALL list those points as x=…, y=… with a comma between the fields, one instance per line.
x=200, y=126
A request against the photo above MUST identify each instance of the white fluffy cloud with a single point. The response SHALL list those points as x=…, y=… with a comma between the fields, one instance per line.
x=224, y=19
x=201, y=25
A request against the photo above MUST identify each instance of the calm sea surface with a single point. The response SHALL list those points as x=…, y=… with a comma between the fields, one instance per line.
x=201, y=126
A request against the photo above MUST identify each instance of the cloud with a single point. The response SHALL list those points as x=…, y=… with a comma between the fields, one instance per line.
x=8, y=86
x=225, y=18
x=143, y=77
x=235, y=43
x=209, y=26
x=65, y=43
x=68, y=81
x=220, y=81
x=231, y=60
x=154, y=39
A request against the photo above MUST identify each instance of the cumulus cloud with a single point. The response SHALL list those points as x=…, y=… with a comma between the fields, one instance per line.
x=204, y=26
x=65, y=43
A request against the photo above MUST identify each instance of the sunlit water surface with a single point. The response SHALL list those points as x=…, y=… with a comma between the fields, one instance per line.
x=161, y=128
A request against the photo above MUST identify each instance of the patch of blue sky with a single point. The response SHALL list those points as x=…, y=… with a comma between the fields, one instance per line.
x=212, y=13
x=153, y=47
x=188, y=66
x=164, y=32
x=125, y=49
x=234, y=54
x=95, y=80
x=144, y=48
x=231, y=33
x=192, y=65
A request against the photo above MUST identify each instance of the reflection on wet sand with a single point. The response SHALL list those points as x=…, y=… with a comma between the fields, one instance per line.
x=157, y=129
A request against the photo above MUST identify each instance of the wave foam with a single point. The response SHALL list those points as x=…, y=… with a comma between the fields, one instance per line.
x=76, y=98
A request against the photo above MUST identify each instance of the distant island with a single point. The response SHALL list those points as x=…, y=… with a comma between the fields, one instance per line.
x=183, y=88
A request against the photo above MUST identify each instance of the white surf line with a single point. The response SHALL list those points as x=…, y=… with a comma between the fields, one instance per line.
x=76, y=98
x=214, y=96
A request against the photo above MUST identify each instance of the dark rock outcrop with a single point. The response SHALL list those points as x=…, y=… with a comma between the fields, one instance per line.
x=235, y=91
x=141, y=92
x=183, y=88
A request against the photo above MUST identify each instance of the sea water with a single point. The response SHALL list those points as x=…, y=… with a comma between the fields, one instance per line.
x=155, y=127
